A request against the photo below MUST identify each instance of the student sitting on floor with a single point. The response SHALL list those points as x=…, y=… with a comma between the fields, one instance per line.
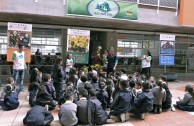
x=68, y=110
x=187, y=103
x=10, y=81
x=46, y=93
x=10, y=101
x=167, y=104
x=159, y=97
x=121, y=104
x=82, y=107
x=94, y=83
x=35, y=80
x=95, y=110
x=138, y=89
x=102, y=95
x=144, y=103
x=38, y=116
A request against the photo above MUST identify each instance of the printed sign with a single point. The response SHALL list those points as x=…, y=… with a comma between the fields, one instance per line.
x=167, y=37
x=19, y=33
x=78, y=45
x=166, y=59
x=103, y=9
x=167, y=47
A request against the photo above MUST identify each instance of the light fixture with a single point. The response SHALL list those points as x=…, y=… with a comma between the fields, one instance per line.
x=35, y=1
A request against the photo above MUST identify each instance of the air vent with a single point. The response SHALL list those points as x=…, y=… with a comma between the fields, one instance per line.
x=149, y=2
x=169, y=3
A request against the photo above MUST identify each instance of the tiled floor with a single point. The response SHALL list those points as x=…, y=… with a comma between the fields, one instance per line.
x=178, y=118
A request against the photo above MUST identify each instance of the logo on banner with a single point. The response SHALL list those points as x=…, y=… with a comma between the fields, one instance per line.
x=103, y=9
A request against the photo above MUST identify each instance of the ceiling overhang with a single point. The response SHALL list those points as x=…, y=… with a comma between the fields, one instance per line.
x=89, y=22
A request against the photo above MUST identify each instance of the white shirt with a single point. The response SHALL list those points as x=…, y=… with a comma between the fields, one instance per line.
x=70, y=63
x=146, y=62
x=19, y=58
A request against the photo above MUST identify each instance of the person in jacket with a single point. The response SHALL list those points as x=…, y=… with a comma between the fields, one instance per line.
x=72, y=77
x=102, y=96
x=159, y=97
x=144, y=103
x=97, y=114
x=10, y=81
x=112, y=61
x=167, y=104
x=38, y=116
x=58, y=76
x=35, y=80
x=94, y=83
x=10, y=101
x=82, y=107
x=187, y=103
x=121, y=104
x=68, y=111
x=81, y=84
x=46, y=93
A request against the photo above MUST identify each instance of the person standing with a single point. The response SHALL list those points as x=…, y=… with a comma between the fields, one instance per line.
x=104, y=59
x=112, y=61
x=19, y=66
x=96, y=56
x=58, y=76
x=146, y=63
x=38, y=57
x=69, y=63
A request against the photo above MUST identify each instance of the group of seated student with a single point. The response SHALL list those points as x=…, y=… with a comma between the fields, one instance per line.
x=86, y=101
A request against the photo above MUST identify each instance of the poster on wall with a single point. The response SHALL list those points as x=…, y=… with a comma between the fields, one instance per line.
x=103, y=9
x=167, y=47
x=78, y=45
x=166, y=59
x=19, y=33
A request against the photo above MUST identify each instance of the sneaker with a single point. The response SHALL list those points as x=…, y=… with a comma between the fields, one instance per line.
x=173, y=109
x=142, y=116
x=127, y=116
x=122, y=116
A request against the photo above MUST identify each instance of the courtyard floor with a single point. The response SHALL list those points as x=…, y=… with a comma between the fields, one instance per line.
x=177, y=118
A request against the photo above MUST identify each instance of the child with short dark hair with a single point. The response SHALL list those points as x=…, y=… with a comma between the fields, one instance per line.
x=97, y=113
x=83, y=79
x=38, y=116
x=68, y=110
x=102, y=96
x=144, y=103
x=187, y=103
x=10, y=101
x=138, y=88
x=94, y=83
x=46, y=93
x=121, y=104
x=82, y=107
x=10, y=81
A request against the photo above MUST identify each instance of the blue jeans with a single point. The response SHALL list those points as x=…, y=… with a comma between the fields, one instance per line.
x=19, y=74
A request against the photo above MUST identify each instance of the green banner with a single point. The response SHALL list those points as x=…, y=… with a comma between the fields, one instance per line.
x=103, y=9
x=79, y=58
